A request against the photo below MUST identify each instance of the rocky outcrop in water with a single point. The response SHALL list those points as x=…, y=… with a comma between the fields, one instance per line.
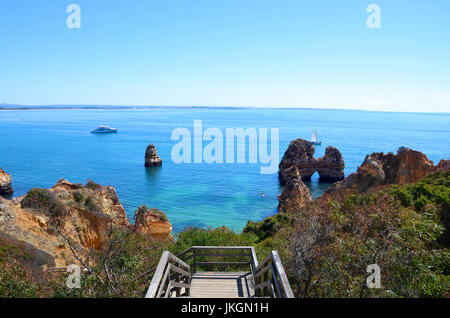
x=152, y=222
x=151, y=157
x=300, y=154
x=380, y=169
x=5, y=183
x=331, y=165
x=83, y=214
x=295, y=194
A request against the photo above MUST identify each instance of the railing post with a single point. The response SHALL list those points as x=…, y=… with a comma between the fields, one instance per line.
x=188, y=290
x=177, y=279
x=258, y=290
x=266, y=289
x=195, y=261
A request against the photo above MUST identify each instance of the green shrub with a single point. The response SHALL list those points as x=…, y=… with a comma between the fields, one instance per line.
x=93, y=186
x=267, y=227
x=139, y=214
x=222, y=236
x=78, y=197
x=44, y=200
x=91, y=205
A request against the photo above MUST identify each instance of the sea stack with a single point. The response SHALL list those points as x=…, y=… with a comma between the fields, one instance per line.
x=151, y=157
x=295, y=195
x=331, y=166
x=5, y=183
x=300, y=154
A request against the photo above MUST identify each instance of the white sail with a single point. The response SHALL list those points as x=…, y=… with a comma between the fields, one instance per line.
x=314, y=136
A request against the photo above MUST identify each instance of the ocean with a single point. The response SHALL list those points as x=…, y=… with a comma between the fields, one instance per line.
x=40, y=146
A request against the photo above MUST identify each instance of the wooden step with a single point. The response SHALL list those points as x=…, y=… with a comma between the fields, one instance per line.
x=222, y=285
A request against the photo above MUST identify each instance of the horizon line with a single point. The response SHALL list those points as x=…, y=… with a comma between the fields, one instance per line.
x=9, y=106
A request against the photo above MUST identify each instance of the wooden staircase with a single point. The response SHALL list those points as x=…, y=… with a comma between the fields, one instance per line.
x=240, y=275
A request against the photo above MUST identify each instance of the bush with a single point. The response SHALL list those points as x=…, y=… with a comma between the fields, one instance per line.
x=431, y=192
x=139, y=214
x=93, y=186
x=91, y=205
x=400, y=228
x=78, y=197
x=222, y=236
x=21, y=274
x=44, y=200
x=267, y=227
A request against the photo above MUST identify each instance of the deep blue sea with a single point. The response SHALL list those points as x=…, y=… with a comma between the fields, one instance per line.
x=40, y=146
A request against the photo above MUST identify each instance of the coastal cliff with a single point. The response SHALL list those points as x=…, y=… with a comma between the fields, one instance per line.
x=5, y=183
x=379, y=169
x=393, y=211
x=70, y=215
x=152, y=222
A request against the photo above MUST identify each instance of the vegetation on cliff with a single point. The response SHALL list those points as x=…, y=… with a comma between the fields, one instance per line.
x=403, y=229
x=325, y=246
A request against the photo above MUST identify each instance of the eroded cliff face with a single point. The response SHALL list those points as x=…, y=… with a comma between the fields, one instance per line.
x=48, y=218
x=331, y=165
x=152, y=222
x=381, y=169
x=5, y=183
x=295, y=194
x=443, y=165
x=300, y=154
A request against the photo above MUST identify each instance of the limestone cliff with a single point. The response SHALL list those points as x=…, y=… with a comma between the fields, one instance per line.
x=380, y=169
x=46, y=218
x=295, y=194
x=300, y=154
x=443, y=165
x=152, y=222
x=331, y=165
x=5, y=183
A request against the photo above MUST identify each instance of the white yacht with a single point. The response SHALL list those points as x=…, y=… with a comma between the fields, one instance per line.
x=104, y=130
x=314, y=139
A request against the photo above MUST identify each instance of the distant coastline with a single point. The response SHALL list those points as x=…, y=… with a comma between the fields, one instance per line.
x=6, y=107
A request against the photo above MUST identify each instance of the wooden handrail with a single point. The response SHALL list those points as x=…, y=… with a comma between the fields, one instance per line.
x=179, y=255
x=162, y=285
x=270, y=278
x=195, y=252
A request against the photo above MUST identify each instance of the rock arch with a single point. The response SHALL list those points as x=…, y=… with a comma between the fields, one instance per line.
x=300, y=154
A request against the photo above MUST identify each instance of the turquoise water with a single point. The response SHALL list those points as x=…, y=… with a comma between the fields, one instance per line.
x=40, y=146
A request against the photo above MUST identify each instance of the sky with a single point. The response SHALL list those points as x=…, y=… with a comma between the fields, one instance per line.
x=255, y=53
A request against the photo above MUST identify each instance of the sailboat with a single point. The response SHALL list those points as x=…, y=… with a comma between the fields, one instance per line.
x=314, y=139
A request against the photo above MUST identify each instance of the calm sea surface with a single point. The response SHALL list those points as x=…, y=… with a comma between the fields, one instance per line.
x=40, y=146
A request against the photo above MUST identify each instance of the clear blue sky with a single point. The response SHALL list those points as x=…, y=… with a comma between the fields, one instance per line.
x=286, y=53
